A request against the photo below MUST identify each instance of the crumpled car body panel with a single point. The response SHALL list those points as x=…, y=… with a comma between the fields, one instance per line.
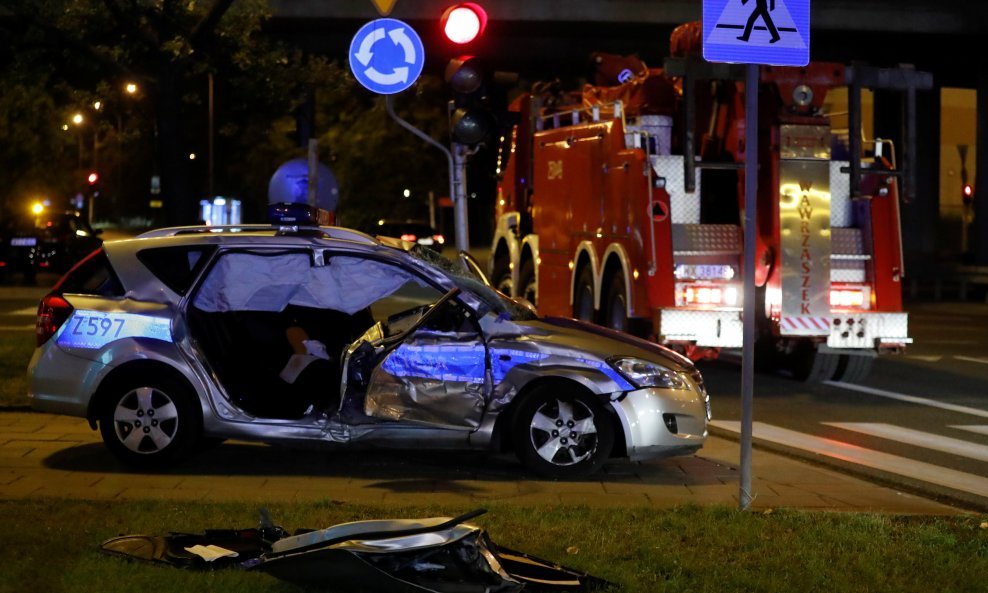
x=438, y=554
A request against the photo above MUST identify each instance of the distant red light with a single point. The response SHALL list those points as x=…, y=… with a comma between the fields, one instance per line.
x=462, y=23
x=968, y=190
x=93, y=178
x=409, y=237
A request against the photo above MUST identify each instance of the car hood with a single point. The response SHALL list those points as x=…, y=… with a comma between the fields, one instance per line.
x=600, y=342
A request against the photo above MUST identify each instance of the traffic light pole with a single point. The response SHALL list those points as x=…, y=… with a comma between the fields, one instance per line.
x=460, y=153
x=457, y=174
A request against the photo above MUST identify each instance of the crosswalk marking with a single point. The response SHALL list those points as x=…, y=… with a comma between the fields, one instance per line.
x=910, y=398
x=976, y=428
x=918, y=438
x=886, y=462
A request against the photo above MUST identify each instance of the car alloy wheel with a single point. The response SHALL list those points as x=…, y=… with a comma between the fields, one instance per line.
x=562, y=434
x=150, y=424
x=146, y=421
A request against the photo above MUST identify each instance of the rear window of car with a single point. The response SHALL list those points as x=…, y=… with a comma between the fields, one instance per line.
x=93, y=275
x=176, y=267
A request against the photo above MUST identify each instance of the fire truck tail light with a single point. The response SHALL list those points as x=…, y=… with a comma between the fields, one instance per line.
x=850, y=297
x=707, y=295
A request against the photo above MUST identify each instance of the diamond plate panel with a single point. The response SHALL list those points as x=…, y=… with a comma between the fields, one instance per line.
x=841, y=214
x=716, y=329
x=872, y=327
x=684, y=208
x=846, y=241
x=706, y=239
x=847, y=274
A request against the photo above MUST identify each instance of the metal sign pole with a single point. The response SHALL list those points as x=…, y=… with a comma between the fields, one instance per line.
x=460, y=197
x=750, y=235
x=454, y=173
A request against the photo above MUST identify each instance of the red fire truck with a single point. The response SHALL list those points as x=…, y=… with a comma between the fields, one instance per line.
x=609, y=210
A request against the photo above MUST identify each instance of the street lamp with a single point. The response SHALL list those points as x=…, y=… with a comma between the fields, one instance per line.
x=131, y=88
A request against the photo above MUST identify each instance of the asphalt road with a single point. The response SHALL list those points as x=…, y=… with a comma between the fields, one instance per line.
x=920, y=419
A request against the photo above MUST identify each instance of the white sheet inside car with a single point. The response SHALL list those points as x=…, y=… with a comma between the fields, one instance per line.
x=256, y=282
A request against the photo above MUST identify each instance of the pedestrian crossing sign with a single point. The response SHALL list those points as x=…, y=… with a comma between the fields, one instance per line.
x=771, y=32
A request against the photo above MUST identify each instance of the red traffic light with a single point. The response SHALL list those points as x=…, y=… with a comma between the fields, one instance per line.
x=462, y=23
x=93, y=178
x=967, y=193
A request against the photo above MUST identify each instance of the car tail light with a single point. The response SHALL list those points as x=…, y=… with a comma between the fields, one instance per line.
x=850, y=297
x=52, y=313
x=439, y=239
x=409, y=237
x=708, y=295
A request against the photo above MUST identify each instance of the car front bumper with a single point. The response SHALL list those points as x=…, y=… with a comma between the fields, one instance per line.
x=661, y=422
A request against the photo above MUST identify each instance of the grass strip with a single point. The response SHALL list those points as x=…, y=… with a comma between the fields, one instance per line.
x=53, y=546
x=15, y=354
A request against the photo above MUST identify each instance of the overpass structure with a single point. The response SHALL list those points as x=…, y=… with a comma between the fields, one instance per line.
x=554, y=38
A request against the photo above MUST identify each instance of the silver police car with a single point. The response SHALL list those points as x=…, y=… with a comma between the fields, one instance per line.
x=301, y=335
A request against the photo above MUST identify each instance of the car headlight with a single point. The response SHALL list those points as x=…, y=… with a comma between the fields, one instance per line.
x=644, y=373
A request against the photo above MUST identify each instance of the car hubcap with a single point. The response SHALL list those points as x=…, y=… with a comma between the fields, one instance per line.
x=563, y=432
x=146, y=420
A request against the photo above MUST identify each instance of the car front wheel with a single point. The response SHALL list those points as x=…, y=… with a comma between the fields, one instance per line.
x=149, y=423
x=560, y=433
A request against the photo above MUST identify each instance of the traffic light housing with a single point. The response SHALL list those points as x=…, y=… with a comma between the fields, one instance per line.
x=471, y=119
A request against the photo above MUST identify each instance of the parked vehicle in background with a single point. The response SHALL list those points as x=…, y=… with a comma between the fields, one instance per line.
x=302, y=335
x=21, y=247
x=413, y=231
x=66, y=237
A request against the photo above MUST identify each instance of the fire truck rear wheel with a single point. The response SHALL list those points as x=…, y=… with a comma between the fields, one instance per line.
x=583, y=308
x=853, y=369
x=810, y=366
x=616, y=307
x=501, y=276
x=526, y=282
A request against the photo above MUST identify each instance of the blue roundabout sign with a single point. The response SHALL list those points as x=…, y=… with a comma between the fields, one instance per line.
x=386, y=56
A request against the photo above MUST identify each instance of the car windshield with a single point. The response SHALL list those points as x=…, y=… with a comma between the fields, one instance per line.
x=469, y=282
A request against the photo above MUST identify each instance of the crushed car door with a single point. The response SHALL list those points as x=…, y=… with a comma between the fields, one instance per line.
x=436, y=374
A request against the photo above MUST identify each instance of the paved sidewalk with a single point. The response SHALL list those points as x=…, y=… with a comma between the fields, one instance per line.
x=43, y=455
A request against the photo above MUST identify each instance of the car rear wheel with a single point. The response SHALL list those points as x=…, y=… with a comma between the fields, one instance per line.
x=562, y=433
x=149, y=423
